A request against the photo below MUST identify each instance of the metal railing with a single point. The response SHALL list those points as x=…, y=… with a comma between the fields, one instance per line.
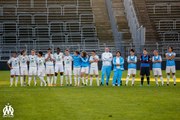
x=138, y=32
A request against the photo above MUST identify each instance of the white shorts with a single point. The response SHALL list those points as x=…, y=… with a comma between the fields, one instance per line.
x=49, y=69
x=32, y=71
x=85, y=70
x=77, y=71
x=24, y=71
x=131, y=71
x=68, y=71
x=14, y=71
x=41, y=72
x=94, y=71
x=59, y=68
x=170, y=69
x=157, y=71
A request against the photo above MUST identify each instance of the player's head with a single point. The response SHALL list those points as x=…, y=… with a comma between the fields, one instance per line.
x=33, y=52
x=155, y=52
x=118, y=53
x=14, y=54
x=40, y=54
x=93, y=52
x=76, y=52
x=58, y=50
x=67, y=52
x=83, y=54
x=145, y=51
x=132, y=52
x=49, y=50
x=106, y=49
x=170, y=49
x=23, y=52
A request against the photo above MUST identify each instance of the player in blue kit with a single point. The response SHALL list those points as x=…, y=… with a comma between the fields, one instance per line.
x=118, y=63
x=145, y=67
x=76, y=67
x=106, y=66
x=157, y=60
x=84, y=67
x=170, y=65
x=132, y=60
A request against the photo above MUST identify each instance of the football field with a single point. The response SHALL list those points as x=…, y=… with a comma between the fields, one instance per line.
x=92, y=103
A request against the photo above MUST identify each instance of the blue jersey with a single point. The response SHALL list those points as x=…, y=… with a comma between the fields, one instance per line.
x=145, y=61
x=120, y=61
x=84, y=62
x=76, y=61
x=132, y=60
x=156, y=64
x=170, y=62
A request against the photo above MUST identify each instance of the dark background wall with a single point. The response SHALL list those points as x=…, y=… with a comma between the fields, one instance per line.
x=3, y=65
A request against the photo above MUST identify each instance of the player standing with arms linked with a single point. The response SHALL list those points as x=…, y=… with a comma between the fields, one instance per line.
x=41, y=68
x=76, y=67
x=84, y=67
x=13, y=64
x=106, y=66
x=132, y=60
x=118, y=63
x=68, y=67
x=49, y=67
x=23, y=58
x=59, y=67
x=94, y=59
x=157, y=60
x=145, y=60
x=32, y=67
x=170, y=65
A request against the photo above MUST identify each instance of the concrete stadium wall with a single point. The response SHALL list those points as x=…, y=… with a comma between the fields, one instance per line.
x=3, y=65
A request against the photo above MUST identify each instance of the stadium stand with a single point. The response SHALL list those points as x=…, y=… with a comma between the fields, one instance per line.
x=86, y=25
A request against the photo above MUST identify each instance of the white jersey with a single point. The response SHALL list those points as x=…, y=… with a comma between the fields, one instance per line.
x=23, y=61
x=68, y=61
x=49, y=62
x=94, y=64
x=58, y=58
x=107, y=59
x=32, y=61
x=14, y=62
x=40, y=62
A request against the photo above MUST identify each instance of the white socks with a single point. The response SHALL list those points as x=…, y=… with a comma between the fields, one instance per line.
x=42, y=81
x=21, y=79
x=11, y=81
x=174, y=78
x=61, y=80
x=55, y=80
x=168, y=77
x=127, y=80
x=91, y=81
x=48, y=80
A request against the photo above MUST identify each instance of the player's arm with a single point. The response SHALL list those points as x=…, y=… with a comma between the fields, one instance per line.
x=121, y=61
x=9, y=64
x=47, y=57
x=173, y=56
x=91, y=59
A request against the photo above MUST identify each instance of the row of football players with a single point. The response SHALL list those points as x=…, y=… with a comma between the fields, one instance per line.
x=81, y=65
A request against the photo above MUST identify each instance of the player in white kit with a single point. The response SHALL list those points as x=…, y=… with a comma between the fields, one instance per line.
x=68, y=67
x=13, y=64
x=94, y=67
x=23, y=58
x=49, y=67
x=32, y=67
x=41, y=68
x=58, y=65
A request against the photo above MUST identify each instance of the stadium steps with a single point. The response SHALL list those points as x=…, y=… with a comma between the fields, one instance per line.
x=144, y=19
x=165, y=17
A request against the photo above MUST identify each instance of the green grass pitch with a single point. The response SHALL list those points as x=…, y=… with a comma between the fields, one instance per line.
x=92, y=103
